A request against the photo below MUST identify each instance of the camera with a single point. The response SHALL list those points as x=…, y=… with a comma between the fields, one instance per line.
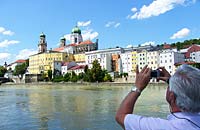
x=155, y=73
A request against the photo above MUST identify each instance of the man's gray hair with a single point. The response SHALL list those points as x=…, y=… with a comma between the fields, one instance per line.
x=185, y=84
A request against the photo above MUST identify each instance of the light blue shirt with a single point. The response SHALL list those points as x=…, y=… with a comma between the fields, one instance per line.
x=135, y=122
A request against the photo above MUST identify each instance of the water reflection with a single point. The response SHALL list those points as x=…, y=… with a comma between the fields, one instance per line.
x=72, y=108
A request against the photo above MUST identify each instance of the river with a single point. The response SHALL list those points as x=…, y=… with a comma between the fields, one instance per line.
x=72, y=107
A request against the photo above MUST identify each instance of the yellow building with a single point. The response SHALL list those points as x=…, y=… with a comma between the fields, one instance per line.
x=42, y=62
x=79, y=57
x=134, y=60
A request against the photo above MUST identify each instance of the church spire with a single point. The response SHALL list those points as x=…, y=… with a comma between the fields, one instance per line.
x=42, y=45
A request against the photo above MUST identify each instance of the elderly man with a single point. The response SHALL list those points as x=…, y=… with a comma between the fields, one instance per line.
x=183, y=96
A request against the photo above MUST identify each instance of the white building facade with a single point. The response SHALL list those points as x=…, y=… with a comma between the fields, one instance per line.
x=195, y=56
x=126, y=59
x=168, y=58
x=142, y=59
x=103, y=56
x=153, y=59
x=66, y=66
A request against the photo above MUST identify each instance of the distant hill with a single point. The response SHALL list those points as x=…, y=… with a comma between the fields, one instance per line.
x=184, y=44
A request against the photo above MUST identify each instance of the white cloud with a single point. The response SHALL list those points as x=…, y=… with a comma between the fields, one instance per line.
x=148, y=43
x=84, y=24
x=129, y=46
x=112, y=24
x=134, y=9
x=89, y=34
x=4, y=56
x=8, y=32
x=5, y=32
x=2, y=29
x=156, y=8
x=25, y=53
x=6, y=43
x=181, y=34
x=116, y=25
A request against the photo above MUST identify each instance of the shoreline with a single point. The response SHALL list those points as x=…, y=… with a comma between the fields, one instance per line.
x=79, y=84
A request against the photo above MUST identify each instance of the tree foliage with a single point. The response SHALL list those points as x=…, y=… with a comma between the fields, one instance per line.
x=2, y=71
x=107, y=78
x=49, y=73
x=66, y=77
x=185, y=44
x=74, y=77
x=95, y=74
x=20, y=70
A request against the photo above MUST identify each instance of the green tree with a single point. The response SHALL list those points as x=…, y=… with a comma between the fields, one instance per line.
x=49, y=73
x=58, y=78
x=86, y=69
x=96, y=71
x=74, y=77
x=80, y=76
x=2, y=71
x=107, y=78
x=20, y=70
x=66, y=77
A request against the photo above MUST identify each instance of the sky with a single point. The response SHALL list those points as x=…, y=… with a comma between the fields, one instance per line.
x=122, y=23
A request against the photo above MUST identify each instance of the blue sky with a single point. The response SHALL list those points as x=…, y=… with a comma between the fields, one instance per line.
x=113, y=22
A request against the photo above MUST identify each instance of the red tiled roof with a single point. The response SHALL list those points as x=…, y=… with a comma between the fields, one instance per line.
x=73, y=44
x=77, y=67
x=20, y=61
x=86, y=42
x=166, y=46
x=193, y=48
x=65, y=63
x=181, y=63
x=59, y=49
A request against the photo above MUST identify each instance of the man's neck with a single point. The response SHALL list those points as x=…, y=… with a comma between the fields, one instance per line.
x=175, y=109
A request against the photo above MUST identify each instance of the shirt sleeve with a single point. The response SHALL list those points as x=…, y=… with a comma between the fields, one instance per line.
x=136, y=122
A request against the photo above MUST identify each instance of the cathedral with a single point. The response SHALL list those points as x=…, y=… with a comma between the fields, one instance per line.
x=77, y=45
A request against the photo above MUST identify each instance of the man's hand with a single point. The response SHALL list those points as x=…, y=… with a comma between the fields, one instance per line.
x=164, y=74
x=143, y=77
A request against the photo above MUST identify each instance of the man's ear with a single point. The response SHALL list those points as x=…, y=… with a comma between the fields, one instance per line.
x=172, y=98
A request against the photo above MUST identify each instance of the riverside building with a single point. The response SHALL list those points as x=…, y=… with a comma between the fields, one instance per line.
x=43, y=61
x=168, y=58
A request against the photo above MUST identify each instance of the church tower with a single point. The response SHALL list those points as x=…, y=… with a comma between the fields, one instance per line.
x=76, y=36
x=42, y=45
x=62, y=42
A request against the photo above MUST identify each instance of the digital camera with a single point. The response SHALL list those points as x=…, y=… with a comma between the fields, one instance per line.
x=155, y=73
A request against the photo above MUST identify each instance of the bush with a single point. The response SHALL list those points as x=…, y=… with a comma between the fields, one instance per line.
x=66, y=77
x=107, y=78
x=58, y=79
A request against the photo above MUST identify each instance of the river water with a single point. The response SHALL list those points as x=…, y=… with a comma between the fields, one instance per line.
x=67, y=107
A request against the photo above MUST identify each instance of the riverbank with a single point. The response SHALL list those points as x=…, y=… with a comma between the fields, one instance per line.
x=112, y=84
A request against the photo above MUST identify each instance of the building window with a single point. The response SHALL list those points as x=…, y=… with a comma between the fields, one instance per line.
x=75, y=40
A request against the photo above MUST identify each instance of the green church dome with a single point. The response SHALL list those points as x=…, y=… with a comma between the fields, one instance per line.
x=76, y=29
x=42, y=35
